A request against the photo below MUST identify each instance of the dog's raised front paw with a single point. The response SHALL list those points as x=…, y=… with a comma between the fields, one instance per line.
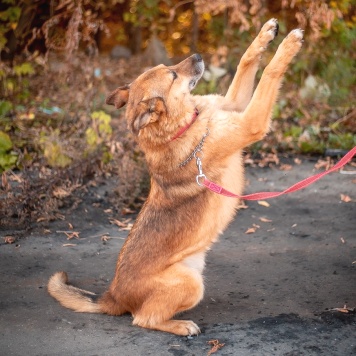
x=293, y=42
x=268, y=32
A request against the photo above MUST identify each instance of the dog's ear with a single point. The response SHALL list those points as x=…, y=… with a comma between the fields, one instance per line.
x=148, y=111
x=119, y=96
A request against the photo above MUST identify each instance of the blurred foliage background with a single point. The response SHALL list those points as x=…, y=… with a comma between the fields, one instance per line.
x=60, y=58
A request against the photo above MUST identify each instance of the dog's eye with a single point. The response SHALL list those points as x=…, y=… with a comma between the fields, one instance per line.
x=175, y=76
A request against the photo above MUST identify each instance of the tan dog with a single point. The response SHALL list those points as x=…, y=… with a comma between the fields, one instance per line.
x=159, y=269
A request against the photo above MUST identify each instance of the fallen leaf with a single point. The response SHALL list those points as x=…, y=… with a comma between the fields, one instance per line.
x=70, y=226
x=265, y=220
x=250, y=230
x=60, y=192
x=215, y=346
x=15, y=178
x=119, y=223
x=126, y=211
x=285, y=167
x=294, y=225
x=127, y=228
x=345, y=198
x=342, y=240
x=323, y=164
x=263, y=203
x=108, y=211
x=4, y=182
x=297, y=161
x=345, y=309
x=105, y=238
x=243, y=206
x=70, y=234
x=68, y=245
x=9, y=239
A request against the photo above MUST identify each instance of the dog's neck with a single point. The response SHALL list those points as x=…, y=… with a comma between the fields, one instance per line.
x=186, y=127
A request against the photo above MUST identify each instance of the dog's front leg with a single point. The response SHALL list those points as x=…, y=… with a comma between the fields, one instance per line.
x=254, y=122
x=240, y=91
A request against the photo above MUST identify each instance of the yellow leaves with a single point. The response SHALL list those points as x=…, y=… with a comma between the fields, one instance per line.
x=100, y=131
x=54, y=149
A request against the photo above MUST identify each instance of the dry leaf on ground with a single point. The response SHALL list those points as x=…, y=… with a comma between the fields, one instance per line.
x=322, y=163
x=215, y=346
x=60, y=192
x=345, y=198
x=286, y=167
x=120, y=223
x=265, y=220
x=345, y=309
x=126, y=211
x=9, y=239
x=250, y=230
x=264, y=203
x=127, y=228
x=70, y=234
x=253, y=229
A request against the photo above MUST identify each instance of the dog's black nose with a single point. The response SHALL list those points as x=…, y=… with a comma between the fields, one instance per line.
x=197, y=57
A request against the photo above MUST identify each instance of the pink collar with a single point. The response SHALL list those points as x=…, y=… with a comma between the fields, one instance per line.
x=186, y=127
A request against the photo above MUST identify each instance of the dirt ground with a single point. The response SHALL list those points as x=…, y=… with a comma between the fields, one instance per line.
x=267, y=293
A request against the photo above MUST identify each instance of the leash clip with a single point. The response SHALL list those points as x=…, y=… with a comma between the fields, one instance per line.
x=200, y=168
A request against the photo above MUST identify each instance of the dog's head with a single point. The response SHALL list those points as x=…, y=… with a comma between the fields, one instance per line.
x=158, y=95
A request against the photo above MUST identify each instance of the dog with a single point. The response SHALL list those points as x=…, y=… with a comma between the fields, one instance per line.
x=159, y=269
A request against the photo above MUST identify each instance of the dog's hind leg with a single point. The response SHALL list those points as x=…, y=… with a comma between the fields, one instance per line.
x=177, y=289
x=240, y=91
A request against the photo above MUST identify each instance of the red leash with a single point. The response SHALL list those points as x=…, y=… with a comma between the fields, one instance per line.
x=268, y=195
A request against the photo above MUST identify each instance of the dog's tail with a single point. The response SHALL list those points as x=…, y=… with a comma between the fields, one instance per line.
x=72, y=297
